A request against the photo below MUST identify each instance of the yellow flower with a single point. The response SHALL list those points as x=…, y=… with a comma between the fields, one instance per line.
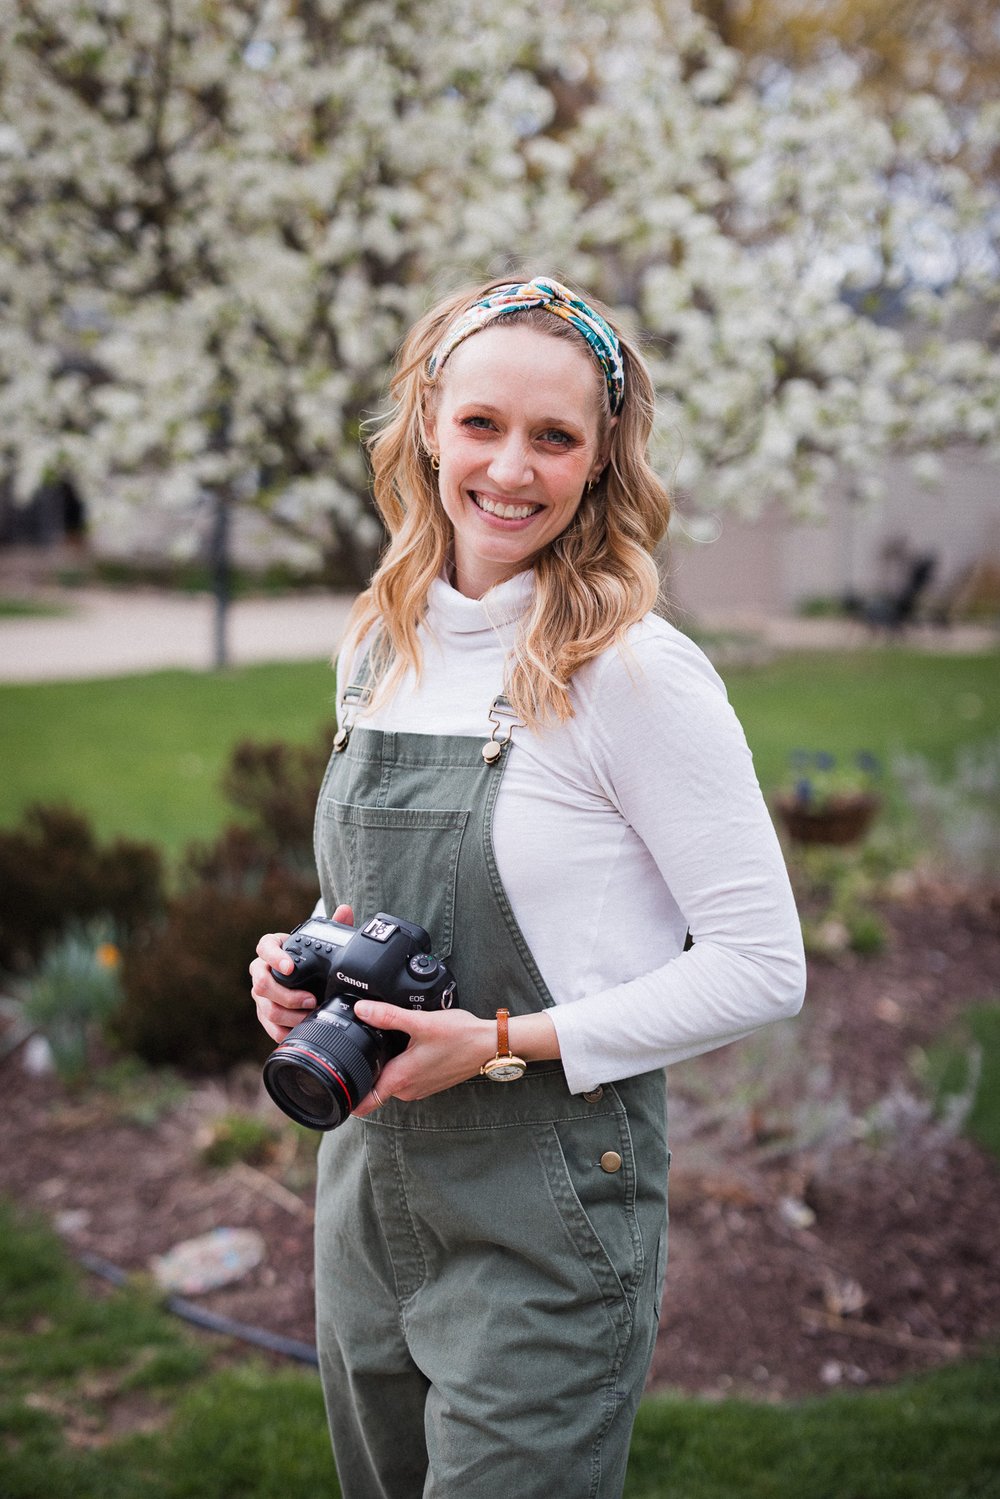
x=108, y=955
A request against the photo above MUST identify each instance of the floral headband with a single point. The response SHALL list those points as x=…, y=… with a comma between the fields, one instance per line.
x=554, y=297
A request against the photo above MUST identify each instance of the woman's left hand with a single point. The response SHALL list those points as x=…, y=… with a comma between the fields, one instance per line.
x=446, y=1047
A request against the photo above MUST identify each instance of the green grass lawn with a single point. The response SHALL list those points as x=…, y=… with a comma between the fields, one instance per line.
x=24, y=608
x=110, y=1397
x=885, y=701
x=142, y=755
x=931, y=1438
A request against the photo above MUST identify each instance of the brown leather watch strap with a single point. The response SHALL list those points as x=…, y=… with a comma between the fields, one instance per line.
x=505, y=1067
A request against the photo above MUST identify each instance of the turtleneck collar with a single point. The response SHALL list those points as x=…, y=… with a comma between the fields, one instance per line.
x=452, y=612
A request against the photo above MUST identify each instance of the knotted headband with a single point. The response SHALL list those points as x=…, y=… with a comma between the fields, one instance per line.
x=518, y=296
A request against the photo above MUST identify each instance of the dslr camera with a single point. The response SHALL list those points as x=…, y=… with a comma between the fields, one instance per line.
x=329, y=1062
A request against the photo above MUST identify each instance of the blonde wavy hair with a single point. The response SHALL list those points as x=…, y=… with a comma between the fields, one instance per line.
x=593, y=581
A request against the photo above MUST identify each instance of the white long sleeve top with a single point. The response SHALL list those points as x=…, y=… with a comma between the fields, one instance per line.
x=616, y=832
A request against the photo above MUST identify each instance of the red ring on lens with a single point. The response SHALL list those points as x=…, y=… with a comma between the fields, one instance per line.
x=297, y=1047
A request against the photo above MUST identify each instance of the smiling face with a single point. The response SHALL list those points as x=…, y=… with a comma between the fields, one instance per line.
x=517, y=427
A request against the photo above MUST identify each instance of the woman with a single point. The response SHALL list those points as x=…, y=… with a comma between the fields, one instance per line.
x=550, y=780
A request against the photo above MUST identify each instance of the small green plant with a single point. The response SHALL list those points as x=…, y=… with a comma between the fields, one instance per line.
x=962, y=1074
x=821, y=606
x=836, y=888
x=240, y=1137
x=139, y=1094
x=73, y=995
x=866, y=931
x=957, y=818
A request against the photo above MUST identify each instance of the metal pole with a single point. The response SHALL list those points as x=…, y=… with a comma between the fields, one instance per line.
x=221, y=577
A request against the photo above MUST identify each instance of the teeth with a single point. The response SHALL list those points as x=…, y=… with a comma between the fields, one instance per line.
x=506, y=512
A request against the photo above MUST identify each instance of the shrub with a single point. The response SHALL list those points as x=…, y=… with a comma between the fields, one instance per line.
x=238, y=863
x=187, y=990
x=278, y=784
x=54, y=874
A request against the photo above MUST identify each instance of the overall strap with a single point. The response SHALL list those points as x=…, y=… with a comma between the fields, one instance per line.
x=358, y=693
x=355, y=696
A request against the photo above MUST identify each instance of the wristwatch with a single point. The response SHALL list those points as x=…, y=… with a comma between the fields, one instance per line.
x=505, y=1067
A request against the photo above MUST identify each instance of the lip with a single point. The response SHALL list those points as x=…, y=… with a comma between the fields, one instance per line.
x=506, y=522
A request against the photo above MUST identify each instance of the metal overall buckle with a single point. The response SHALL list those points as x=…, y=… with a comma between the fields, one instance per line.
x=504, y=720
x=356, y=695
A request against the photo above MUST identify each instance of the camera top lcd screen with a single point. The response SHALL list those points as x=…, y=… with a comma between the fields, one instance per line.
x=325, y=931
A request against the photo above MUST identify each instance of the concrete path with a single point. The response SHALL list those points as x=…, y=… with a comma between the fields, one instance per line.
x=794, y=633
x=105, y=632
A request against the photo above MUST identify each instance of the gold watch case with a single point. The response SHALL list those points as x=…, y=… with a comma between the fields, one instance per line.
x=504, y=1069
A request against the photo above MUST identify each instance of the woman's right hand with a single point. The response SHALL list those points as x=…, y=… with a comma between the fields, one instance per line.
x=280, y=1009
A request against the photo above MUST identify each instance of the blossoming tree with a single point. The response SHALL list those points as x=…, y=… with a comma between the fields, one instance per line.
x=220, y=215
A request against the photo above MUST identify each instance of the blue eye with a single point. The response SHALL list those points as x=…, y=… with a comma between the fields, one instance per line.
x=557, y=436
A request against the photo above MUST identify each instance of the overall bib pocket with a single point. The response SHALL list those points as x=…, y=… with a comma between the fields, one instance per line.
x=375, y=858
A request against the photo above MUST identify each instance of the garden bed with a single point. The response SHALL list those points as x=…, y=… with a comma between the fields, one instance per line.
x=825, y=1228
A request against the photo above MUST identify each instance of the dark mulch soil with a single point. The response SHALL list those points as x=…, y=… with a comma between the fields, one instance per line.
x=798, y=1260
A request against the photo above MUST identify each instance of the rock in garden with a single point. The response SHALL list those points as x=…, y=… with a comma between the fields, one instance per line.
x=213, y=1259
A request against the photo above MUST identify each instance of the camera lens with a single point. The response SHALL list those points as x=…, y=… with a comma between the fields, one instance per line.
x=322, y=1070
x=309, y=1099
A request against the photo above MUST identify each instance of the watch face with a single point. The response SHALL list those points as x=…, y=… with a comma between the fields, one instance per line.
x=504, y=1072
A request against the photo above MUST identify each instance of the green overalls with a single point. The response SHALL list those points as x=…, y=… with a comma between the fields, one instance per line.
x=489, y=1261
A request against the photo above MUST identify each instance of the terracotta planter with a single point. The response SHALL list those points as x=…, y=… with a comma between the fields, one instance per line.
x=844, y=819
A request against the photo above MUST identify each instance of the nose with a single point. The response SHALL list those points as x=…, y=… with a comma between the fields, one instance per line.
x=510, y=463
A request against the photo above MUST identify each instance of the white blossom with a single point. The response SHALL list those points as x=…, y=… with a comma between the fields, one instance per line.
x=220, y=217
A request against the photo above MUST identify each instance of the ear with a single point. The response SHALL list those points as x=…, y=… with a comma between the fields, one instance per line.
x=429, y=425
x=604, y=453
